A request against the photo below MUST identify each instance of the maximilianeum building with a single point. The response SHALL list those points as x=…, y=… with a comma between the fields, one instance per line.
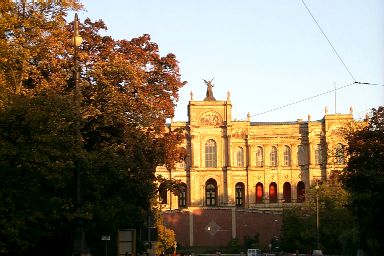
x=239, y=175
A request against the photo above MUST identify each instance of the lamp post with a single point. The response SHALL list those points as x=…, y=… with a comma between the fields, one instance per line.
x=106, y=239
x=317, y=251
x=79, y=247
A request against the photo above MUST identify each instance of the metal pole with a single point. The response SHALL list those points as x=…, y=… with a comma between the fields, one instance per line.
x=106, y=247
x=317, y=218
x=79, y=247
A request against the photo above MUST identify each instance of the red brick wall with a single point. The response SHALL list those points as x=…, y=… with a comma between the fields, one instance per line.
x=248, y=223
x=251, y=223
x=178, y=222
x=202, y=218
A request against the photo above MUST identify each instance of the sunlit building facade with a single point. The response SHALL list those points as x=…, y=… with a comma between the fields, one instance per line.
x=249, y=166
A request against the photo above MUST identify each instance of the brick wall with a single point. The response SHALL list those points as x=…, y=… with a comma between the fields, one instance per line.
x=215, y=227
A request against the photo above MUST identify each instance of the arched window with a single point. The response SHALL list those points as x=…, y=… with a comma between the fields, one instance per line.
x=340, y=154
x=318, y=154
x=300, y=192
x=240, y=157
x=273, y=156
x=163, y=194
x=239, y=194
x=210, y=154
x=273, y=192
x=181, y=164
x=211, y=192
x=259, y=157
x=287, y=192
x=301, y=155
x=259, y=192
x=183, y=195
x=287, y=156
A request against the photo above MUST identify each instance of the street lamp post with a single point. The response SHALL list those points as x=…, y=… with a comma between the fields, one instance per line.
x=79, y=247
x=317, y=251
x=106, y=239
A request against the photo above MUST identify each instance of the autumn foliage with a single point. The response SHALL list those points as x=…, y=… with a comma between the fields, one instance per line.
x=127, y=92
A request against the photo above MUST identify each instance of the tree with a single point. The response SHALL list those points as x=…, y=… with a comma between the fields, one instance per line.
x=127, y=93
x=337, y=229
x=297, y=231
x=36, y=155
x=167, y=239
x=363, y=178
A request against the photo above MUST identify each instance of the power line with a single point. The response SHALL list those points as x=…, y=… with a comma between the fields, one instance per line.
x=315, y=96
x=365, y=83
x=305, y=99
x=330, y=91
x=334, y=49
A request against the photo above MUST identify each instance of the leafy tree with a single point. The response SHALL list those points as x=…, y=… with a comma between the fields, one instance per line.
x=167, y=239
x=298, y=230
x=337, y=229
x=250, y=242
x=127, y=93
x=233, y=246
x=364, y=180
x=36, y=155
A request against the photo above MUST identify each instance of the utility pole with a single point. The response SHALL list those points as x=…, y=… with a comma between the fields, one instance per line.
x=317, y=251
x=79, y=246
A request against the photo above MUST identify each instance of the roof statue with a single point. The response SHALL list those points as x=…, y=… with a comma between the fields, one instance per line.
x=209, y=90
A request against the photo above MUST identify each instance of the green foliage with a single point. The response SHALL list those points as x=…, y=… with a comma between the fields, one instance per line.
x=250, y=242
x=36, y=153
x=364, y=180
x=337, y=227
x=298, y=231
x=234, y=246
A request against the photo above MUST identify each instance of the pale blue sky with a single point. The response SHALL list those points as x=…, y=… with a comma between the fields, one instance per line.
x=268, y=53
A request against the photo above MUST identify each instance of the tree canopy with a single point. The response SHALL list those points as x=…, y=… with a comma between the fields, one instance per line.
x=127, y=92
x=336, y=229
x=364, y=180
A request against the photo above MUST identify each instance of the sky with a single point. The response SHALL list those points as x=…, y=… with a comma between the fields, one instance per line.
x=270, y=54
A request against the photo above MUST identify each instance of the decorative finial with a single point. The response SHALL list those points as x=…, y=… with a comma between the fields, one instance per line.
x=326, y=110
x=248, y=117
x=209, y=89
x=191, y=93
x=228, y=95
x=351, y=110
x=309, y=117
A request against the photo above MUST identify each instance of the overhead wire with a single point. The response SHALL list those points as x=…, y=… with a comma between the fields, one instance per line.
x=304, y=99
x=329, y=42
x=330, y=91
x=315, y=96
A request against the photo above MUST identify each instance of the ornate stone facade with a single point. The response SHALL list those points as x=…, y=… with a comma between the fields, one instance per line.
x=238, y=175
x=251, y=164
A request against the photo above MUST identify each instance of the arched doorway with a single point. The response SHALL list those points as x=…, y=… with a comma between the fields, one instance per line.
x=273, y=192
x=259, y=192
x=300, y=192
x=211, y=193
x=183, y=195
x=239, y=194
x=287, y=192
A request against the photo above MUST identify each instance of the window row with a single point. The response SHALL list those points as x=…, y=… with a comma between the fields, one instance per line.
x=302, y=155
x=211, y=193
